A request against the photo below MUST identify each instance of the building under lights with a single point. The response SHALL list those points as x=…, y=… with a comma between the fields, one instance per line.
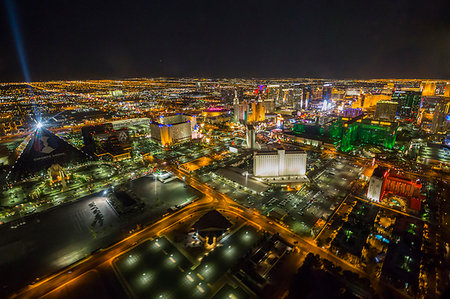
x=409, y=102
x=383, y=181
x=363, y=131
x=375, y=191
x=386, y=110
x=298, y=97
x=236, y=107
x=428, y=89
x=251, y=137
x=251, y=112
x=441, y=116
x=435, y=155
x=279, y=163
x=326, y=92
x=351, y=112
x=173, y=129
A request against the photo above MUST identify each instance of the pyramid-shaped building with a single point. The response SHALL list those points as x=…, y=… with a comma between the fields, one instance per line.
x=40, y=150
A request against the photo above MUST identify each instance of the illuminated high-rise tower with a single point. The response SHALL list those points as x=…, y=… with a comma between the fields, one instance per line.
x=447, y=90
x=441, y=117
x=274, y=94
x=326, y=92
x=236, y=107
x=298, y=97
x=251, y=137
x=428, y=88
x=409, y=103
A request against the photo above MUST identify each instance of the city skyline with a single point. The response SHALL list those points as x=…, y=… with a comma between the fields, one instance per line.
x=243, y=187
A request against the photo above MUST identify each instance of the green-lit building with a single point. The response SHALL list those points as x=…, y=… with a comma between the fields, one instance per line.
x=360, y=131
x=300, y=128
x=346, y=133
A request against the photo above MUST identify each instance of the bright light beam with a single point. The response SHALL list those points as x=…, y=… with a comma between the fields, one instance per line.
x=15, y=27
x=12, y=17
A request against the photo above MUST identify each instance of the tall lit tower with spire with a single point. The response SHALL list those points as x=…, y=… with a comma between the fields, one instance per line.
x=236, y=106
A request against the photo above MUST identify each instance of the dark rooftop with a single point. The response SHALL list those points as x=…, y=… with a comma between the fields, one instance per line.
x=211, y=221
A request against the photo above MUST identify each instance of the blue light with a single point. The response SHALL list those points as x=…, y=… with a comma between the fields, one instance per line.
x=12, y=16
x=381, y=238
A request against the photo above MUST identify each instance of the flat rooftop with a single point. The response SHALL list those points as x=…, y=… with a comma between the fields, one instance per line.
x=275, y=152
x=240, y=179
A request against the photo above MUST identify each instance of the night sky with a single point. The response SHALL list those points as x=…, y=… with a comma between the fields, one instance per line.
x=327, y=39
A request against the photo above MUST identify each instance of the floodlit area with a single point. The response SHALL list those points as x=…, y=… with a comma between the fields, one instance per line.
x=159, y=196
x=158, y=268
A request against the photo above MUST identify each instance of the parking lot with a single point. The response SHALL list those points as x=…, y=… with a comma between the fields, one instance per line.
x=335, y=179
x=231, y=189
x=306, y=211
x=51, y=240
x=158, y=196
x=157, y=269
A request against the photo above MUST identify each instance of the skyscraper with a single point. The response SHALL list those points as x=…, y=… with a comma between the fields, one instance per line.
x=298, y=97
x=274, y=93
x=251, y=137
x=236, y=107
x=408, y=103
x=441, y=117
x=288, y=97
x=172, y=129
x=326, y=92
x=386, y=110
x=428, y=89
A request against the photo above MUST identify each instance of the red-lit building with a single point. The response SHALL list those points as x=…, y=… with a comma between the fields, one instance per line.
x=404, y=187
x=383, y=182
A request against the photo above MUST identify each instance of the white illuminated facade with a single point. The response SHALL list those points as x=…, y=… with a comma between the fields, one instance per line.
x=375, y=186
x=279, y=163
x=375, y=191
